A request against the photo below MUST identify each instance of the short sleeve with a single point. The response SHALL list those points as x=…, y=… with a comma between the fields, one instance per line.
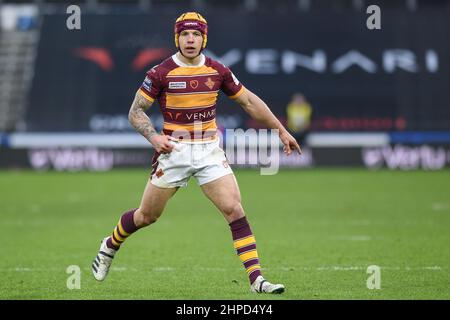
x=231, y=85
x=151, y=87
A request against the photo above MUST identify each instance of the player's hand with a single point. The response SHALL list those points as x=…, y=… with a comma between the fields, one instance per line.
x=289, y=142
x=162, y=143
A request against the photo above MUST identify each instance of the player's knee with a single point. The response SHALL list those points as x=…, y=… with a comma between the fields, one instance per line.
x=146, y=218
x=234, y=210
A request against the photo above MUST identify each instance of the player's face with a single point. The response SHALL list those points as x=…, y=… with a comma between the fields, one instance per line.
x=190, y=43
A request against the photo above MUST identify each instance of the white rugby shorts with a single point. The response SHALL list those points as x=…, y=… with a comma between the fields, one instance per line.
x=206, y=161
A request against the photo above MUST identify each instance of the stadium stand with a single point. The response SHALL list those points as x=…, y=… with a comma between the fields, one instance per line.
x=18, y=44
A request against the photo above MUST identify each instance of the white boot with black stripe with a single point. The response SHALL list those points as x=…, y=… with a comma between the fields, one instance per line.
x=261, y=285
x=102, y=261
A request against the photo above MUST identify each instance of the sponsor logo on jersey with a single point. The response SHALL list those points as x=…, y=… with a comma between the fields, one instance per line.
x=193, y=84
x=170, y=114
x=147, y=83
x=201, y=115
x=177, y=85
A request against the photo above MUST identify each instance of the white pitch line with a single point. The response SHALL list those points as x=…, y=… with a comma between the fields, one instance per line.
x=341, y=268
x=23, y=269
x=440, y=206
x=212, y=269
x=353, y=238
x=433, y=268
x=159, y=269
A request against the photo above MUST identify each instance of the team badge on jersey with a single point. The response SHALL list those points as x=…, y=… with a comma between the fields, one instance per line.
x=209, y=83
x=193, y=84
x=147, y=83
x=159, y=173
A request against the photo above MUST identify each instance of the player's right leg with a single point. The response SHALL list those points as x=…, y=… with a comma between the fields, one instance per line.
x=152, y=205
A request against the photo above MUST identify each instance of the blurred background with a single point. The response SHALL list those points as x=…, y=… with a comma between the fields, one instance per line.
x=353, y=96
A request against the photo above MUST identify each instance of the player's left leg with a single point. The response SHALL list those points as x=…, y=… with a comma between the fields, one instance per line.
x=225, y=194
x=152, y=205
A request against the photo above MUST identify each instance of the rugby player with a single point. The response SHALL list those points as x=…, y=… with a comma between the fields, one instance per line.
x=186, y=86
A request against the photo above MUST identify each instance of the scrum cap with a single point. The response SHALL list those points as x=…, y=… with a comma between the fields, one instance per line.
x=191, y=20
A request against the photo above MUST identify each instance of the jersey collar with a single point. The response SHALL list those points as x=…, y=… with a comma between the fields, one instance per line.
x=182, y=64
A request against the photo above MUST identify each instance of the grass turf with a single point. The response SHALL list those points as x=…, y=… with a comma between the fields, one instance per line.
x=317, y=232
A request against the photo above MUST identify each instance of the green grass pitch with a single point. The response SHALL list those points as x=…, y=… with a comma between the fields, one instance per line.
x=317, y=232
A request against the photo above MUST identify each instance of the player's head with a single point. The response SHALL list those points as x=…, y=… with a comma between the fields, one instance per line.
x=187, y=28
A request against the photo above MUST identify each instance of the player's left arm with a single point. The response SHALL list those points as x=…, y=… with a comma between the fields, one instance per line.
x=258, y=110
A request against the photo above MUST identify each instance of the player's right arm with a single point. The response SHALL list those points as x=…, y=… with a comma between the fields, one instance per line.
x=142, y=123
x=256, y=108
